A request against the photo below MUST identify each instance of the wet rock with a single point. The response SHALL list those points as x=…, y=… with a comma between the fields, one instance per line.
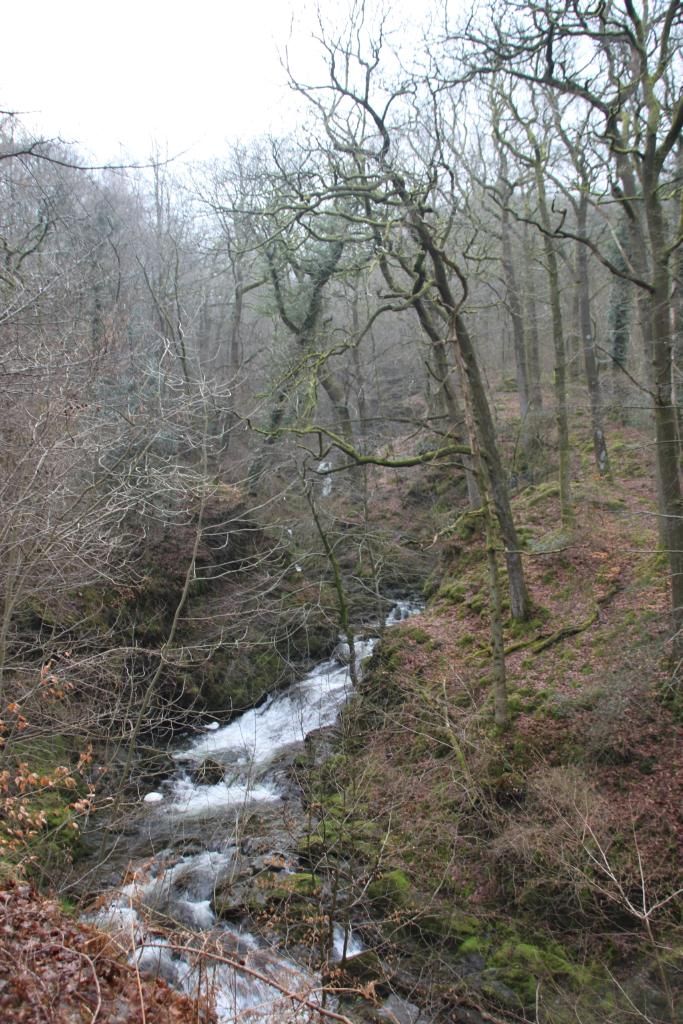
x=365, y=967
x=273, y=861
x=320, y=744
x=342, y=653
x=152, y=798
x=399, y=1011
x=209, y=773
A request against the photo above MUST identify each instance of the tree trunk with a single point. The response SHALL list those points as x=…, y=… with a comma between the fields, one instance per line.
x=359, y=377
x=588, y=341
x=533, y=347
x=619, y=322
x=513, y=297
x=520, y=603
x=501, y=713
x=666, y=427
x=235, y=346
x=449, y=400
x=561, y=411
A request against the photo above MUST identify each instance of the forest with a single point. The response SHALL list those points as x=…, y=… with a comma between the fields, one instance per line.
x=341, y=543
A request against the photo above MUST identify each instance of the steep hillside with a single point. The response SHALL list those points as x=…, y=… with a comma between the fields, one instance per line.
x=536, y=870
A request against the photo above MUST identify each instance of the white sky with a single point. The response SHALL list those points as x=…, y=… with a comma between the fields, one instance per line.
x=118, y=78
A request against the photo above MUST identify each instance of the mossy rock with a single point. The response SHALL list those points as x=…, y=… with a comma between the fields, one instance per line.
x=304, y=883
x=449, y=926
x=364, y=967
x=311, y=848
x=543, y=492
x=340, y=836
x=521, y=966
x=392, y=889
x=283, y=888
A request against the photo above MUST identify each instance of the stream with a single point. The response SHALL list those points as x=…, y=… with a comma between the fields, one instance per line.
x=229, y=813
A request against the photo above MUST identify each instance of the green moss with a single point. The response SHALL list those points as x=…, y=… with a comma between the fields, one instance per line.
x=515, y=704
x=522, y=966
x=477, y=603
x=416, y=634
x=466, y=640
x=449, y=926
x=304, y=883
x=543, y=492
x=468, y=524
x=452, y=592
x=341, y=831
x=392, y=889
x=280, y=888
x=68, y=907
x=474, y=944
x=528, y=627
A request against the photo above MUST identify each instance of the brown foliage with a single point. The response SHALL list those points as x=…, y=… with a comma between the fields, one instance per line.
x=54, y=970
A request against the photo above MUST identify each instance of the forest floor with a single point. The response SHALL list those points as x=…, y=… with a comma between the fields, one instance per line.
x=544, y=860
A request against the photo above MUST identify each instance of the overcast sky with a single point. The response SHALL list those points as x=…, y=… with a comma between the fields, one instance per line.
x=118, y=77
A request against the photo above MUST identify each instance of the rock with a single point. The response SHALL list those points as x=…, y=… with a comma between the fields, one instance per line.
x=273, y=861
x=365, y=967
x=392, y=889
x=152, y=798
x=320, y=744
x=399, y=1010
x=209, y=773
x=342, y=653
x=233, y=899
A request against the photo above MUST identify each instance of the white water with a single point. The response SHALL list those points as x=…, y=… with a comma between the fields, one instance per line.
x=254, y=740
x=181, y=888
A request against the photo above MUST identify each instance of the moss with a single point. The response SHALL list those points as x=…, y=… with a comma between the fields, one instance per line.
x=466, y=640
x=281, y=888
x=364, y=967
x=528, y=627
x=522, y=966
x=515, y=704
x=474, y=944
x=468, y=525
x=342, y=830
x=524, y=535
x=311, y=847
x=477, y=603
x=416, y=634
x=392, y=889
x=452, y=592
x=57, y=844
x=543, y=492
x=449, y=926
x=68, y=907
x=304, y=883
